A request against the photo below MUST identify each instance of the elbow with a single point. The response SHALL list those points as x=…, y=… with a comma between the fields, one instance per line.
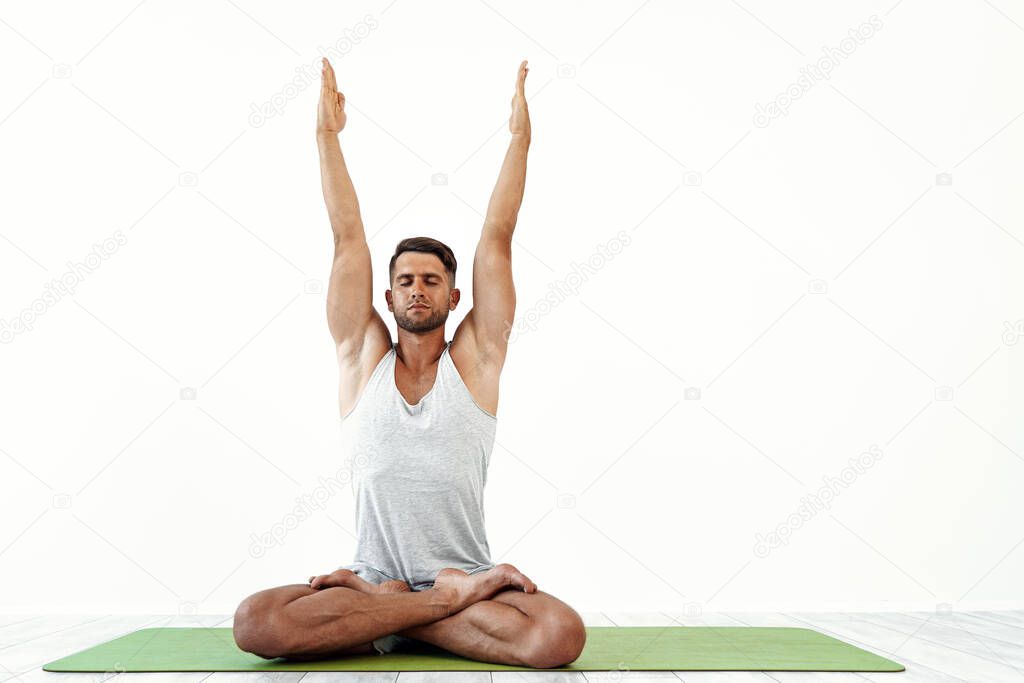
x=347, y=236
x=500, y=227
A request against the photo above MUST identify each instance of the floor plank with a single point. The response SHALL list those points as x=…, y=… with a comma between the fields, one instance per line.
x=15, y=619
x=23, y=632
x=26, y=658
x=160, y=677
x=915, y=672
x=904, y=647
x=91, y=637
x=971, y=623
x=351, y=677
x=704, y=619
x=261, y=677
x=537, y=677
x=1007, y=618
x=723, y=676
x=952, y=633
x=640, y=619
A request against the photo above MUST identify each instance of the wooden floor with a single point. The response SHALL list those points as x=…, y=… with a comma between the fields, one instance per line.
x=967, y=646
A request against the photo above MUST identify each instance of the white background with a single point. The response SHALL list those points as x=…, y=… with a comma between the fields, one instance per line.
x=810, y=282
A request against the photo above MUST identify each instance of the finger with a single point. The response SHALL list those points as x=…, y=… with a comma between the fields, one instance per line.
x=331, y=77
x=328, y=72
x=521, y=80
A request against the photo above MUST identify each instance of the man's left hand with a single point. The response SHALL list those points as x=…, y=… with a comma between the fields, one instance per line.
x=519, y=123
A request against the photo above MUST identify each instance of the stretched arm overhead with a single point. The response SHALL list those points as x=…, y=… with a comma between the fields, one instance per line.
x=486, y=326
x=351, y=316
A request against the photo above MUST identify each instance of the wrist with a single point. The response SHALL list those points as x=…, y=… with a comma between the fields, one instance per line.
x=326, y=135
x=444, y=601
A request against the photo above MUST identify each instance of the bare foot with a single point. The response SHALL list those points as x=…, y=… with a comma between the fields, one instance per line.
x=349, y=579
x=395, y=586
x=340, y=577
x=463, y=590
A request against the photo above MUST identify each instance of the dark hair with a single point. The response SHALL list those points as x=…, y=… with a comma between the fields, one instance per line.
x=426, y=245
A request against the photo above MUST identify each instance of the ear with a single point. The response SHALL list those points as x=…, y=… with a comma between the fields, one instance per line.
x=387, y=297
x=453, y=298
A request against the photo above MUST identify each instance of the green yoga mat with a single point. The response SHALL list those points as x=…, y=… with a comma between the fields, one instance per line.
x=645, y=648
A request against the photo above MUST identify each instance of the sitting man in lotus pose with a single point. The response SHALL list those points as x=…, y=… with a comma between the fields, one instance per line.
x=419, y=419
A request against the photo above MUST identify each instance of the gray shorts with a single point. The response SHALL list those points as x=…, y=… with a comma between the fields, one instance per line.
x=395, y=642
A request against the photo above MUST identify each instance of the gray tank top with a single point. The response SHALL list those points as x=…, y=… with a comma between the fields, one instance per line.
x=418, y=476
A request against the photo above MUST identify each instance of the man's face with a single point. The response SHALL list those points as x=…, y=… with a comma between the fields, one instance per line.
x=420, y=297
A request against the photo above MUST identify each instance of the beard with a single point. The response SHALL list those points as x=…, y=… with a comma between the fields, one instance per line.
x=423, y=323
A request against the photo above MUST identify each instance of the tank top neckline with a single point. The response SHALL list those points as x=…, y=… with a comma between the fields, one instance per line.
x=394, y=377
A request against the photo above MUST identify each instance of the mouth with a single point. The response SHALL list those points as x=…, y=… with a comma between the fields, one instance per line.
x=415, y=306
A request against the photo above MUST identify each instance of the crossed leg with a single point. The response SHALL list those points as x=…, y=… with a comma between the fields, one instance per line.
x=341, y=614
x=512, y=627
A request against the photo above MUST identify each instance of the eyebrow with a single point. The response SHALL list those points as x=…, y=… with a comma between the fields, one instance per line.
x=405, y=275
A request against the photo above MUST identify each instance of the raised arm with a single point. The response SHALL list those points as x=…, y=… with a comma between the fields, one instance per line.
x=494, y=297
x=351, y=316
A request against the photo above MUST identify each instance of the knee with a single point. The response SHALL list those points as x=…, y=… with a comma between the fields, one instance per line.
x=253, y=627
x=557, y=639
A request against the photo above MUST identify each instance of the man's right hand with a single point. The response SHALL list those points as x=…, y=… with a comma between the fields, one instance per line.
x=331, y=115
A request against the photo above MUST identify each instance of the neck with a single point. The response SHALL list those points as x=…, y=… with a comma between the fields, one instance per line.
x=418, y=351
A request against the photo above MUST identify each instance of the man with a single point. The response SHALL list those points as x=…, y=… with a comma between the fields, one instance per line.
x=419, y=418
